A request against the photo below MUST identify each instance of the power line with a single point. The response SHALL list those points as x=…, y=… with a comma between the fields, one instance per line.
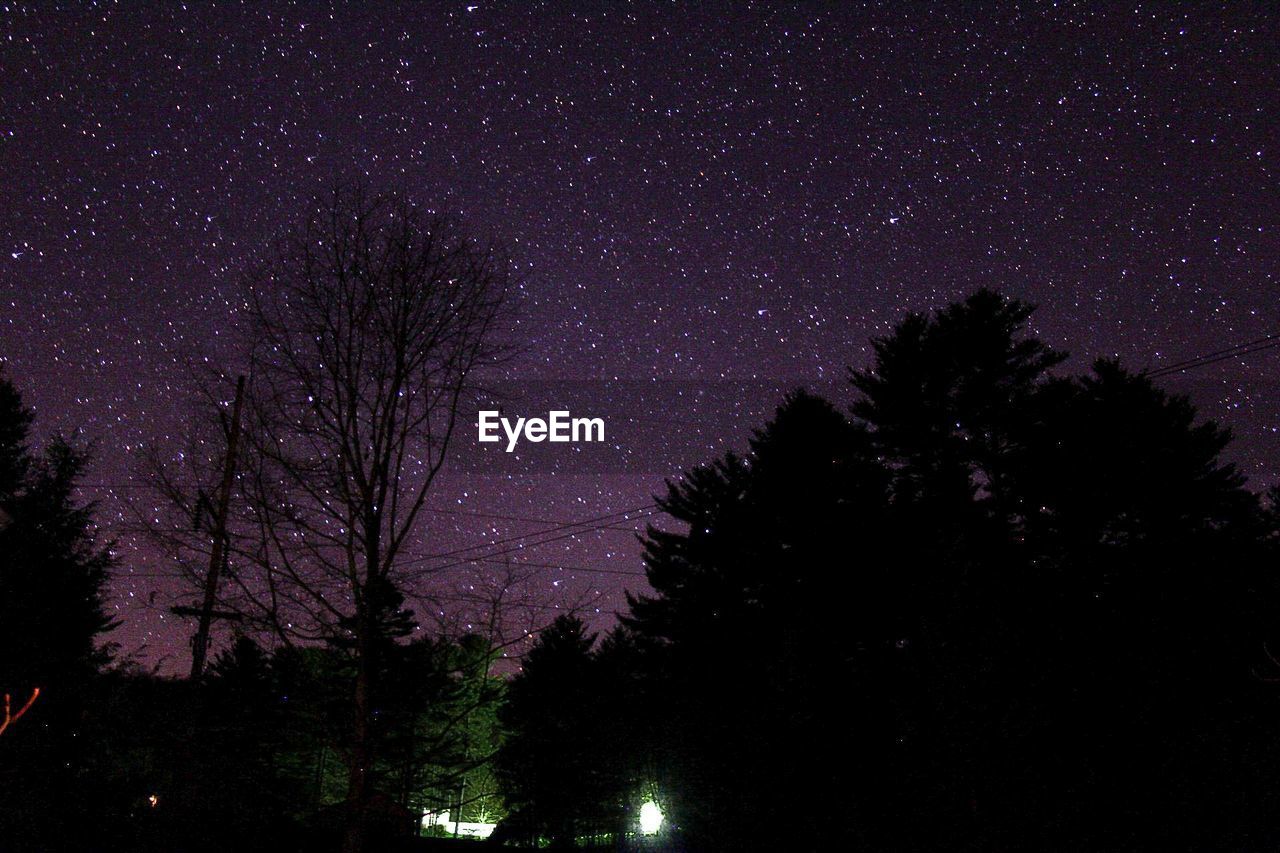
x=440, y=510
x=561, y=566
x=485, y=552
x=456, y=598
x=1238, y=351
x=518, y=547
x=608, y=519
x=180, y=575
x=529, y=540
x=499, y=516
x=1179, y=364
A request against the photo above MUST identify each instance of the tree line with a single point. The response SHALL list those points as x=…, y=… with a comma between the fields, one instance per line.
x=982, y=603
x=253, y=755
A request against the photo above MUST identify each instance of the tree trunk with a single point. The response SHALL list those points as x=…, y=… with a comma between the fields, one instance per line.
x=359, y=763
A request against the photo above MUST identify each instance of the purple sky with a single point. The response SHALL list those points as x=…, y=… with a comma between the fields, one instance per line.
x=695, y=194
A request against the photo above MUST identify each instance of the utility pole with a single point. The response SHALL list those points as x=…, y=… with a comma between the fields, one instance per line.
x=200, y=648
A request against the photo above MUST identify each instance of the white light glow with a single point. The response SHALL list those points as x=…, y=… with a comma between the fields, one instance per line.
x=650, y=818
x=465, y=829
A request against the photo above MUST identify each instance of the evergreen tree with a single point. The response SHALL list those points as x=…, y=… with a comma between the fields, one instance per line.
x=783, y=584
x=1149, y=592
x=549, y=762
x=996, y=607
x=53, y=574
x=952, y=402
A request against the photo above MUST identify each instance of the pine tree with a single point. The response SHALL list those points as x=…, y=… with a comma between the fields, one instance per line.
x=53, y=574
x=782, y=584
x=995, y=606
x=549, y=762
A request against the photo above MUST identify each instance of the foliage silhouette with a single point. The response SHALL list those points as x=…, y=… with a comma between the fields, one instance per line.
x=992, y=607
x=52, y=577
x=552, y=764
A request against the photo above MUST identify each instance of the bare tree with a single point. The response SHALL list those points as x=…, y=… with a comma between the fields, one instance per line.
x=365, y=334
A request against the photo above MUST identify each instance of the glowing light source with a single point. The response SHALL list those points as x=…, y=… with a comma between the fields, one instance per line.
x=650, y=818
x=466, y=829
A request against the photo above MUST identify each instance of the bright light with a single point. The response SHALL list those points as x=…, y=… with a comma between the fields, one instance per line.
x=650, y=818
x=466, y=829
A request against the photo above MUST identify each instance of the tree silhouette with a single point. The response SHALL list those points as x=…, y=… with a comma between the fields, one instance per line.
x=994, y=608
x=1148, y=570
x=364, y=330
x=52, y=578
x=549, y=762
x=756, y=617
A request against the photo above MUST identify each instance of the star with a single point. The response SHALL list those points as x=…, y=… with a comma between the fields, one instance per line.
x=666, y=183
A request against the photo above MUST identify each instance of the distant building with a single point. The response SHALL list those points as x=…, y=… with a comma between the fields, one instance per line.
x=465, y=829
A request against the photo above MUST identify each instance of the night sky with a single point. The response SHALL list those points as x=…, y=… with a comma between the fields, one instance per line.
x=707, y=205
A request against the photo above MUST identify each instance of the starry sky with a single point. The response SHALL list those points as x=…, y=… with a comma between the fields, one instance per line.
x=708, y=203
